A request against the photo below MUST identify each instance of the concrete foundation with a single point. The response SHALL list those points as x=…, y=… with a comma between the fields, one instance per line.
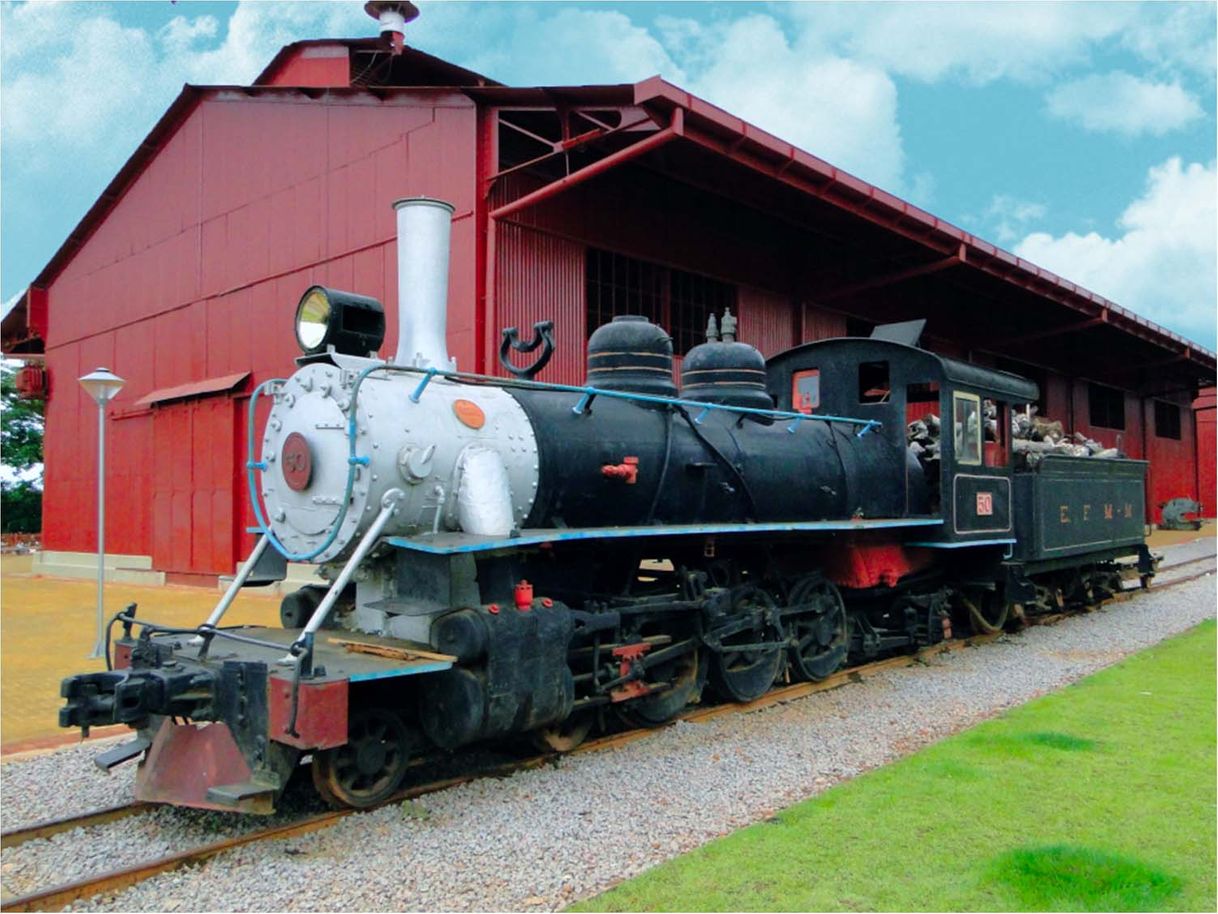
x=119, y=568
x=299, y=574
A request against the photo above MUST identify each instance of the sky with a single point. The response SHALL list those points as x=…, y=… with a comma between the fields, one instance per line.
x=1080, y=136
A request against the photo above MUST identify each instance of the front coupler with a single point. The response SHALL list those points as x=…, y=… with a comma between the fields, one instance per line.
x=132, y=695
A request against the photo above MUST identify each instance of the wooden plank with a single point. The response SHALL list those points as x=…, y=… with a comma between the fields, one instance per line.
x=396, y=653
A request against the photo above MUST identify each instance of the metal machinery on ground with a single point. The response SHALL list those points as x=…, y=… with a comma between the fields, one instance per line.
x=504, y=556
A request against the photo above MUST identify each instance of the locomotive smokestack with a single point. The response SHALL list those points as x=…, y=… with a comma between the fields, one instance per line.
x=424, y=229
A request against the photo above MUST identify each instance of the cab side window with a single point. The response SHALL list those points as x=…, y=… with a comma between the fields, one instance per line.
x=967, y=428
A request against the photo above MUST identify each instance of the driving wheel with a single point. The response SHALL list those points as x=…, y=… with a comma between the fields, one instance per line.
x=566, y=735
x=742, y=670
x=820, y=634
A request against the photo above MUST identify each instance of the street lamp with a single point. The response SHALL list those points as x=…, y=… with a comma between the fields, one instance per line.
x=103, y=386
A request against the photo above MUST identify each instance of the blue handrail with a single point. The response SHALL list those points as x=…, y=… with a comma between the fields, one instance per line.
x=587, y=395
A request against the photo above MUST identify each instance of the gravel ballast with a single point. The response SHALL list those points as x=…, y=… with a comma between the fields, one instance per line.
x=544, y=838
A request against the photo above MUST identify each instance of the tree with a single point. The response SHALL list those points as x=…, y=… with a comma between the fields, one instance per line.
x=21, y=428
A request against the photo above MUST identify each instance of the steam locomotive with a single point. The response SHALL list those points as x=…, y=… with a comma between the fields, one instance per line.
x=500, y=556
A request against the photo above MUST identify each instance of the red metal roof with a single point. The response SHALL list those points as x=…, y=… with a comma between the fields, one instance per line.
x=872, y=203
x=711, y=127
x=429, y=70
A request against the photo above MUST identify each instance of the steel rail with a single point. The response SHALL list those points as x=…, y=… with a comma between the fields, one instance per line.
x=15, y=837
x=116, y=880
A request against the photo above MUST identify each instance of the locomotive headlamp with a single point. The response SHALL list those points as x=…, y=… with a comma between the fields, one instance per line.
x=351, y=324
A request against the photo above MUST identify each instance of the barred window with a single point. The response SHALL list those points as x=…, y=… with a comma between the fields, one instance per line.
x=1107, y=407
x=1167, y=420
x=676, y=300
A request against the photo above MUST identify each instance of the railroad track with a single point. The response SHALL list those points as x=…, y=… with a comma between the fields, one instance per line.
x=119, y=879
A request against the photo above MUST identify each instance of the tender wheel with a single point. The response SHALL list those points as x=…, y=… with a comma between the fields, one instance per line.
x=687, y=674
x=370, y=766
x=987, y=611
x=564, y=736
x=738, y=672
x=821, y=634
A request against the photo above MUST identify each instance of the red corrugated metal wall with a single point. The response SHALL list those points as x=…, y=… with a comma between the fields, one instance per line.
x=767, y=320
x=1172, y=470
x=541, y=258
x=196, y=273
x=821, y=325
x=1207, y=446
x=541, y=277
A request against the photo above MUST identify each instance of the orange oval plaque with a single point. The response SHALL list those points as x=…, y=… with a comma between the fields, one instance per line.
x=469, y=413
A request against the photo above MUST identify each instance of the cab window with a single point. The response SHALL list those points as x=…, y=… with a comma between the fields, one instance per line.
x=805, y=390
x=997, y=430
x=967, y=428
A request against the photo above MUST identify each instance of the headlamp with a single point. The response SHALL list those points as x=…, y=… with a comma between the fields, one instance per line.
x=329, y=318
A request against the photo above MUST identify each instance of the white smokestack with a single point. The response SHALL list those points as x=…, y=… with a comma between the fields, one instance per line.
x=424, y=230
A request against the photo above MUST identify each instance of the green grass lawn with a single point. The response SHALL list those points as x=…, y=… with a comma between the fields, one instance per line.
x=1098, y=797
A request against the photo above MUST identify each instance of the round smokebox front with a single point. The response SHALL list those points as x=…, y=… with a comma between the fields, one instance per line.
x=305, y=450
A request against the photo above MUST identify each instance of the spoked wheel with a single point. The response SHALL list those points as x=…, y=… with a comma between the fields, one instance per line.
x=565, y=735
x=687, y=673
x=820, y=634
x=370, y=766
x=986, y=609
x=1076, y=590
x=741, y=671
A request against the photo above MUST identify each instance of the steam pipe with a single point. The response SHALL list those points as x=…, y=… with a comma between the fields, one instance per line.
x=424, y=232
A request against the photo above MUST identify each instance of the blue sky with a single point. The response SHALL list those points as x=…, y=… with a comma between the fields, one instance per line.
x=1081, y=136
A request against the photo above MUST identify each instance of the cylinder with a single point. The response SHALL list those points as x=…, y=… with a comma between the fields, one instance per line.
x=424, y=232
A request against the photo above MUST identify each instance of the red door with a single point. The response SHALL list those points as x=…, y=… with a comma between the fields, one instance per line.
x=192, y=490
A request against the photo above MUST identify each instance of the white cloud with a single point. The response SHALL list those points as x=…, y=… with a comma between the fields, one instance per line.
x=975, y=42
x=256, y=31
x=69, y=100
x=839, y=109
x=569, y=47
x=1120, y=103
x=1175, y=37
x=101, y=85
x=1162, y=265
x=1009, y=218
x=180, y=33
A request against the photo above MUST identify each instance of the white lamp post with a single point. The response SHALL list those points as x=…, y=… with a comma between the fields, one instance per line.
x=103, y=386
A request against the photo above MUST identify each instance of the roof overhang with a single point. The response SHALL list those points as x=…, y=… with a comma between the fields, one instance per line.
x=935, y=253
x=195, y=389
x=23, y=325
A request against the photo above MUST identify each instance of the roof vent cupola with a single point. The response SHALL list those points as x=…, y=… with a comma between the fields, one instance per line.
x=392, y=16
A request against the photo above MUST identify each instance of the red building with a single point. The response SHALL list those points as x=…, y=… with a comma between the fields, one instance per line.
x=572, y=203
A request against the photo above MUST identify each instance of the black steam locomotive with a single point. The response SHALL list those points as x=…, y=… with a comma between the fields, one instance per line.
x=502, y=556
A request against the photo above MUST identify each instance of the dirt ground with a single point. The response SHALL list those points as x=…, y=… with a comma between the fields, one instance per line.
x=47, y=633
x=47, y=628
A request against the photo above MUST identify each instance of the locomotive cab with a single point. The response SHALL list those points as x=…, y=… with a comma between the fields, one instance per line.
x=951, y=417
